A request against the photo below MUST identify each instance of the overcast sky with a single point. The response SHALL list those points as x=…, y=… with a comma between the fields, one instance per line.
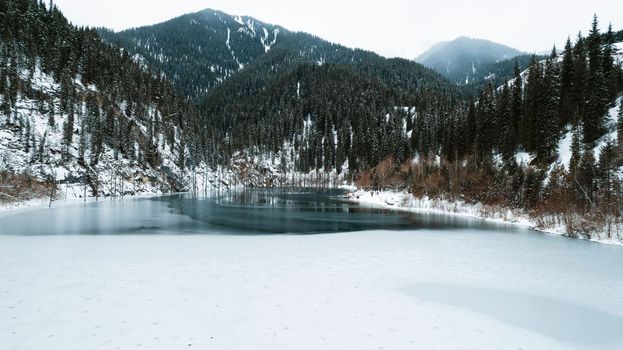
x=403, y=28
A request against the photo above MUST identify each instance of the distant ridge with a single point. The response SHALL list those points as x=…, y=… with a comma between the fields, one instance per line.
x=464, y=60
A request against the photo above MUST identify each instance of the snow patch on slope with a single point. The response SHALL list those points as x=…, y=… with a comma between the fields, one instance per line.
x=265, y=42
x=564, y=149
x=611, y=125
x=231, y=51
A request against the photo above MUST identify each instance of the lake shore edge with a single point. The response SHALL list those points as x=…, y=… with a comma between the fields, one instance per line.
x=386, y=199
x=403, y=201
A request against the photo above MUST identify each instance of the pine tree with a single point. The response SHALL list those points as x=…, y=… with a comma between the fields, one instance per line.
x=533, y=106
x=27, y=136
x=505, y=123
x=532, y=187
x=576, y=157
x=41, y=151
x=33, y=143
x=485, y=123
x=516, y=110
x=596, y=102
x=82, y=146
x=548, y=128
x=567, y=107
x=51, y=111
x=608, y=67
x=580, y=76
x=470, y=128
x=68, y=128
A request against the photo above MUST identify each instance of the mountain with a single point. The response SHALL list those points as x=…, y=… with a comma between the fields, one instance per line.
x=262, y=99
x=432, y=50
x=305, y=91
x=107, y=120
x=200, y=50
x=465, y=60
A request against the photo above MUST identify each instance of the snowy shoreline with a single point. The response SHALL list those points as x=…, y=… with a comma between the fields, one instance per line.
x=8, y=209
x=402, y=201
x=387, y=199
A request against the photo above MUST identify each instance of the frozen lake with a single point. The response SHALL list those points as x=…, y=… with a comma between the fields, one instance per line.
x=295, y=270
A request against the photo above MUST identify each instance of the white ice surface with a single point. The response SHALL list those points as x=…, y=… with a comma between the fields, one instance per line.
x=366, y=290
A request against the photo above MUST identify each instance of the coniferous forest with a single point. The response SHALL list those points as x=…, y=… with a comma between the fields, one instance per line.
x=154, y=105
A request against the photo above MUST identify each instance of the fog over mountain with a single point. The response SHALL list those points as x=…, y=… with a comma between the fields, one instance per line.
x=465, y=60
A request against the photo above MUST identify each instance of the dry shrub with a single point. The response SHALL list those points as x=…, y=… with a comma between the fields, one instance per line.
x=430, y=185
x=19, y=187
x=387, y=174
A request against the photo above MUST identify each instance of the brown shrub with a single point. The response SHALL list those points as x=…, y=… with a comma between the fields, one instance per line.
x=19, y=187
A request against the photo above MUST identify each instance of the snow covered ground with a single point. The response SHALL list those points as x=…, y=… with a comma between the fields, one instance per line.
x=14, y=206
x=363, y=290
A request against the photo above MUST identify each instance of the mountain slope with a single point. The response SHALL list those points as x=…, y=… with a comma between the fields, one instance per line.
x=75, y=110
x=235, y=104
x=464, y=60
x=200, y=50
x=499, y=72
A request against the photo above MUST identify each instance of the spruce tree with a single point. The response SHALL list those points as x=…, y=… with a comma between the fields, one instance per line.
x=82, y=146
x=576, y=157
x=532, y=187
x=533, y=106
x=566, y=85
x=516, y=110
x=608, y=67
x=485, y=123
x=51, y=112
x=470, y=128
x=578, y=92
x=41, y=151
x=596, y=102
x=505, y=121
x=68, y=128
x=548, y=128
x=27, y=136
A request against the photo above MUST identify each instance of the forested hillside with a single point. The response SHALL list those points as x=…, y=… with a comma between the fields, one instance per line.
x=286, y=89
x=265, y=102
x=200, y=50
x=547, y=142
x=76, y=110
x=502, y=71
